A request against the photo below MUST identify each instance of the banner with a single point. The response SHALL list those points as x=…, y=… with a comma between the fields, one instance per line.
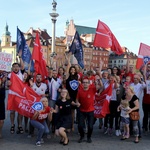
x=21, y=97
x=105, y=38
x=22, y=46
x=39, y=61
x=143, y=55
x=5, y=61
x=77, y=50
x=102, y=103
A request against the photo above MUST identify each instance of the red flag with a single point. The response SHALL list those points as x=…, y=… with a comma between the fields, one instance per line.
x=102, y=102
x=106, y=39
x=37, y=56
x=144, y=50
x=21, y=97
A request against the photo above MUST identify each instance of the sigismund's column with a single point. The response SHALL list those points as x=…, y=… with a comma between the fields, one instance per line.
x=54, y=15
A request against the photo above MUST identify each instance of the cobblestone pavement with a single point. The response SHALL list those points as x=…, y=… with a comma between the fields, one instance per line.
x=99, y=141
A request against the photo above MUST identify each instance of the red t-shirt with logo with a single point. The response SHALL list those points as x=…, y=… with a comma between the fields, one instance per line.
x=86, y=98
x=43, y=115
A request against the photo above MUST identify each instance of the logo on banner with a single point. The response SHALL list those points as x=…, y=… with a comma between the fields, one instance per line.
x=37, y=106
x=74, y=84
x=146, y=59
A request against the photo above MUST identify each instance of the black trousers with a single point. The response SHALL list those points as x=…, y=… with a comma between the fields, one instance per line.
x=146, y=110
x=89, y=116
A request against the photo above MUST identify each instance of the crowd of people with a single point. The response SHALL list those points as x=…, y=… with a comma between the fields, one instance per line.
x=68, y=96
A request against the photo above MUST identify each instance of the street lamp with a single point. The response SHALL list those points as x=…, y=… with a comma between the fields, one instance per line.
x=54, y=15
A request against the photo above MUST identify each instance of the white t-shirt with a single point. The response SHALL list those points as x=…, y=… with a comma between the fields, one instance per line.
x=138, y=89
x=53, y=86
x=41, y=89
x=124, y=112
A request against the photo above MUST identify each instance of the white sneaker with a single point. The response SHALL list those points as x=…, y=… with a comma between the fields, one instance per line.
x=38, y=143
x=117, y=133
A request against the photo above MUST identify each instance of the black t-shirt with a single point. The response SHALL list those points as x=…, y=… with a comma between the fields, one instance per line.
x=72, y=85
x=131, y=102
x=64, y=107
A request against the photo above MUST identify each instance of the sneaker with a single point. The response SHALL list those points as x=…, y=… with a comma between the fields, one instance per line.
x=42, y=141
x=38, y=143
x=105, y=130
x=89, y=140
x=117, y=132
x=80, y=140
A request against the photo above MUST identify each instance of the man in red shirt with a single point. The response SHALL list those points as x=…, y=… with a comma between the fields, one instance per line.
x=85, y=97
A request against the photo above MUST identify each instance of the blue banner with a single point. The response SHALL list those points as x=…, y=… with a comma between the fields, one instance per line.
x=77, y=50
x=22, y=46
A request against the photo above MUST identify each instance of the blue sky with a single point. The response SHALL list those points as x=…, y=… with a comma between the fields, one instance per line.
x=129, y=20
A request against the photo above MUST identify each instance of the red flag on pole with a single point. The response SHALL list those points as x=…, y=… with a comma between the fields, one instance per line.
x=105, y=38
x=21, y=97
x=102, y=101
x=144, y=50
x=37, y=56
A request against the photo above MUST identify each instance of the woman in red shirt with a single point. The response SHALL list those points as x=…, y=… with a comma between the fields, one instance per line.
x=39, y=120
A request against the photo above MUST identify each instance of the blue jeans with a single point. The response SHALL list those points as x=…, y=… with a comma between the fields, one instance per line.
x=42, y=128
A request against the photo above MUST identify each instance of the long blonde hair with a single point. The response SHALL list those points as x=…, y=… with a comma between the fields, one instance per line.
x=132, y=89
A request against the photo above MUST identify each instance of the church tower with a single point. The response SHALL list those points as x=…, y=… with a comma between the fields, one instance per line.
x=6, y=38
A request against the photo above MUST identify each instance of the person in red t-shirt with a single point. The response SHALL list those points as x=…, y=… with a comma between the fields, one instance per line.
x=85, y=97
x=39, y=120
x=130, y=70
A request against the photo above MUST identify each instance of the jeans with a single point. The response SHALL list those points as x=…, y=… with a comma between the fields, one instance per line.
x=135, y=128
x=89, y=116
x=42, y=128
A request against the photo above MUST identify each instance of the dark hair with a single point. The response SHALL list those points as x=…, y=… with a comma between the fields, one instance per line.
x=62, y=69
x=75, y=76
x=15, y=64
x=118, y=70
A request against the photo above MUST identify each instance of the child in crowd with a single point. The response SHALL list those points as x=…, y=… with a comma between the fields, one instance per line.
x=125, y=120
x=127, y=82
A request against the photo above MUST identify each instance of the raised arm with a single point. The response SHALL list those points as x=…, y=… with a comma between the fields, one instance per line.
x=21, y=61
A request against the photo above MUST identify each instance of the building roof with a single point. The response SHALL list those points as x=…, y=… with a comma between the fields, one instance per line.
x=85, y=30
